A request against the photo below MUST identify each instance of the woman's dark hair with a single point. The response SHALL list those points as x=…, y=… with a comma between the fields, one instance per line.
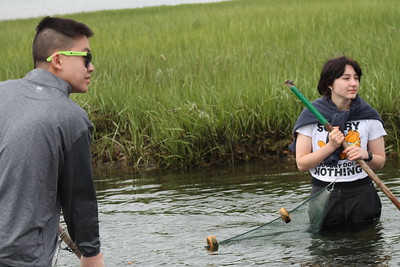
x=56, y=34
x=333, y=69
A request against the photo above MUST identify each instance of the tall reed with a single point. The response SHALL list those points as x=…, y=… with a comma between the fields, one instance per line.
x=192, y=85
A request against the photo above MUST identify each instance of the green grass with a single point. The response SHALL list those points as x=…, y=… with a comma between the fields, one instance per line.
x=193, y=85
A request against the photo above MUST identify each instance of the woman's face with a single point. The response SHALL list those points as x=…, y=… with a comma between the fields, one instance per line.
x=346, y=86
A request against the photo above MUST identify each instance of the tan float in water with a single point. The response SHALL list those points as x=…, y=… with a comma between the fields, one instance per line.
x=285, y=215
x=212, y=243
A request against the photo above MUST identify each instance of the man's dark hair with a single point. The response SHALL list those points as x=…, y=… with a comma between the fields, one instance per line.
x=333, y=69
x=56, y=34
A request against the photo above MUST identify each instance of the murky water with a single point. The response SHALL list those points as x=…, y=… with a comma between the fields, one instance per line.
x=162, y=218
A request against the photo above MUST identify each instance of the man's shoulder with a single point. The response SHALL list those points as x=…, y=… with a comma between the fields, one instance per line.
x=9, y=83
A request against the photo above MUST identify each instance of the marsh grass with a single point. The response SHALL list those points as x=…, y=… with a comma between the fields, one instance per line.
x=192, y=85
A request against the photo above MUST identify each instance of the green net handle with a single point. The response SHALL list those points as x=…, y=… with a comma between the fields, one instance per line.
x=308, y=105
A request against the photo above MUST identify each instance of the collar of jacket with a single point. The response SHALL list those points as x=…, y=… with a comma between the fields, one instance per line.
x=44, y=78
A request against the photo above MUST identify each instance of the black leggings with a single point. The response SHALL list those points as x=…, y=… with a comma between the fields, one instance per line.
x=352, y=206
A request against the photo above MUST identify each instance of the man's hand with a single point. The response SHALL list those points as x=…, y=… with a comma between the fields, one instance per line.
x=95, y=261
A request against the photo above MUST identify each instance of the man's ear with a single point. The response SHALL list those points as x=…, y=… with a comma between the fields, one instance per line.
x=56, y=62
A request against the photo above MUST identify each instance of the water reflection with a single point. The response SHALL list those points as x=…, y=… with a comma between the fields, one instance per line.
x=365, y=248
x=163, y=217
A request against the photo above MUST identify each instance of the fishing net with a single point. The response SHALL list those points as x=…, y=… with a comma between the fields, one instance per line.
x=308, y=216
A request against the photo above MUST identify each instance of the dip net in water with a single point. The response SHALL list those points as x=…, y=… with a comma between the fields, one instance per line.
x=308, y=216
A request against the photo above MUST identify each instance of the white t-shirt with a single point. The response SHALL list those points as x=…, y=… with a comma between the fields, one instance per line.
x=356, y=133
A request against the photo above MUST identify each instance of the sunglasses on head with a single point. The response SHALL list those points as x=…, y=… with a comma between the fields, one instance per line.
x=86, y=55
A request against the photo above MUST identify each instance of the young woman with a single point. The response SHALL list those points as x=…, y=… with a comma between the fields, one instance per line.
x=354, y=201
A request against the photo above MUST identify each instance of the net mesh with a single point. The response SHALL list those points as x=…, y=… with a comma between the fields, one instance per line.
x=308, y=216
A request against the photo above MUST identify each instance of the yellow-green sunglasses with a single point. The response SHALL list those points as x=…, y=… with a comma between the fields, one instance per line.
x=86, y=55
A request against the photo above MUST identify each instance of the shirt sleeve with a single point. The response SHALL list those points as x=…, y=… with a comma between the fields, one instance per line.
x=306, y=130
x=376, y=129
x=78, y=197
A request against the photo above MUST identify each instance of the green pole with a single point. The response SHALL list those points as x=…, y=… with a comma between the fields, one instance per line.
x=307, y=103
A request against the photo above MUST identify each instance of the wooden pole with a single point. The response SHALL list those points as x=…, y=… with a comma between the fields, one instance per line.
x=64, y=236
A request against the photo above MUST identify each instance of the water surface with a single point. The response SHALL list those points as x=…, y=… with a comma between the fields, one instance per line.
x=161, y=218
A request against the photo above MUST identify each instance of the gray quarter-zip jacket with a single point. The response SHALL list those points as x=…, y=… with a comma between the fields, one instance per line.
x=45, y=165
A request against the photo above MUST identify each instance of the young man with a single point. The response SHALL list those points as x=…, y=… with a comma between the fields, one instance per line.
x=45, y=158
